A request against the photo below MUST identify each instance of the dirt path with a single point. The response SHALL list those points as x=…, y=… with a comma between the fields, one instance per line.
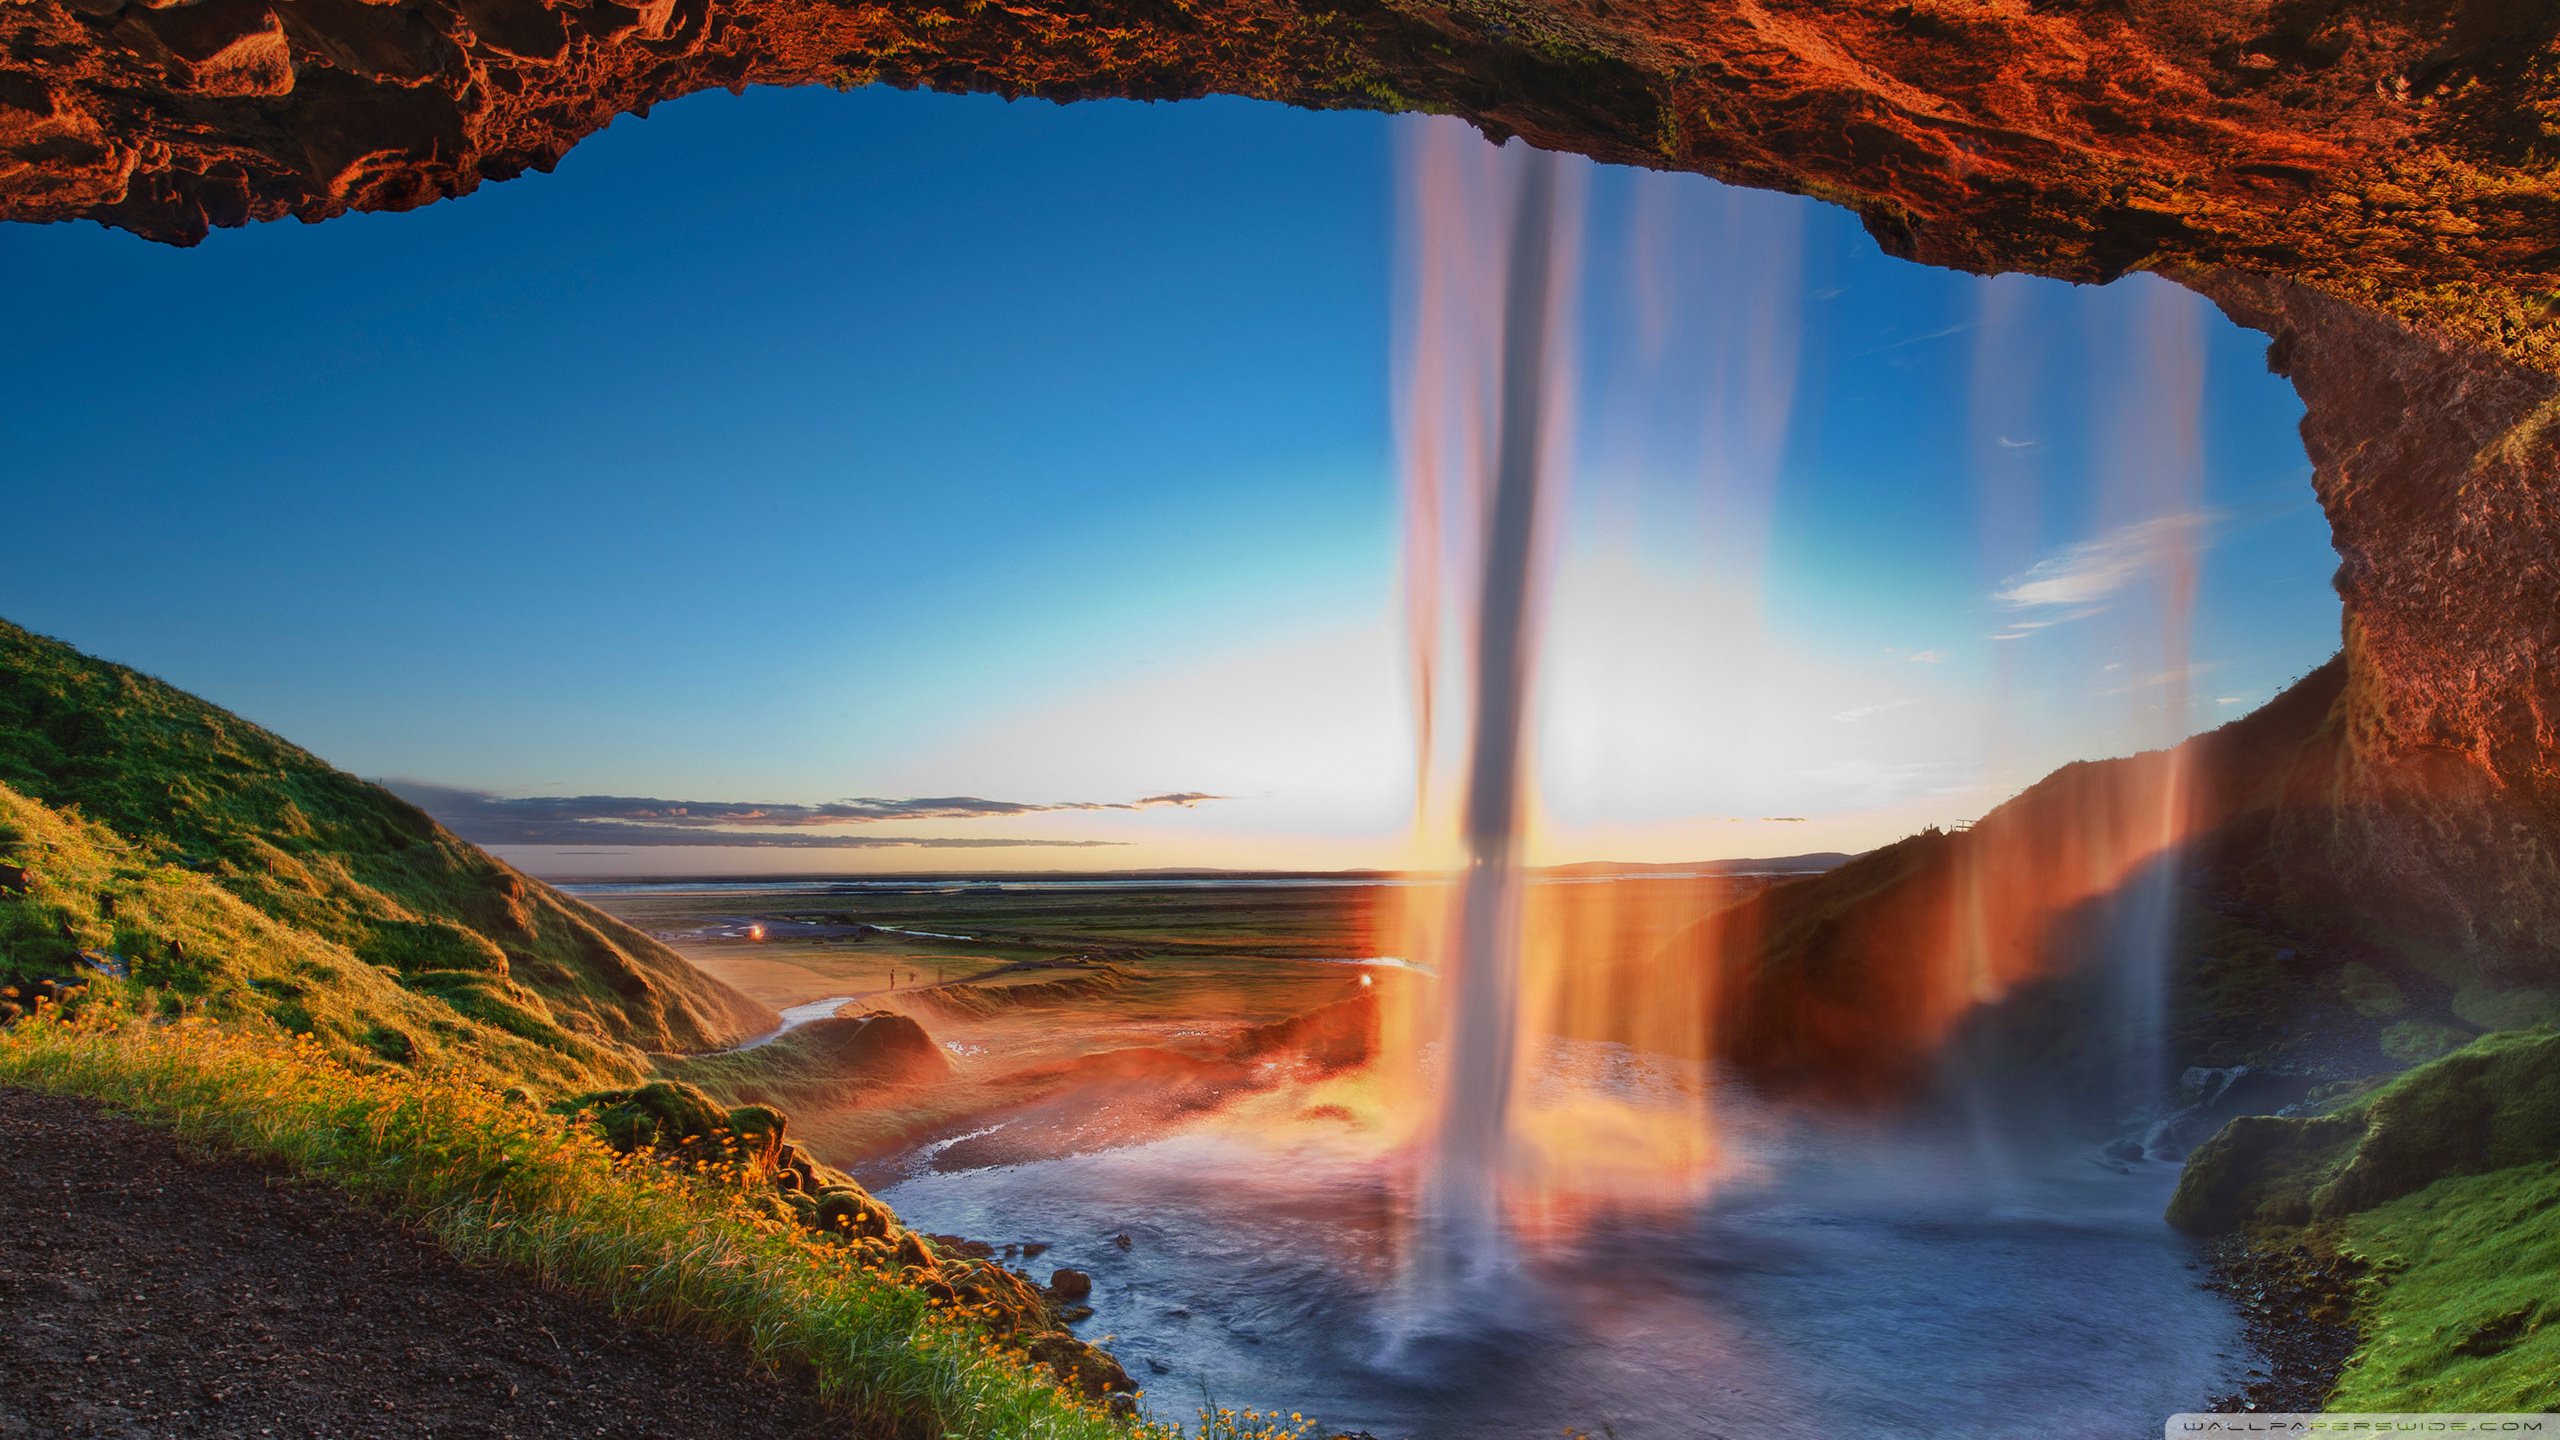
x=148, y=1291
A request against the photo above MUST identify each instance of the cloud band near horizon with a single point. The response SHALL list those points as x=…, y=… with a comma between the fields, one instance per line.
x=486, y=818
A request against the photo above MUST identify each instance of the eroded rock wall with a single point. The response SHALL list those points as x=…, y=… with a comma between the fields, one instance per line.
x=2438, y=464
x=2394, y=151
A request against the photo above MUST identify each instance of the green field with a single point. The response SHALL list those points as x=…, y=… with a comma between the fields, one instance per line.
x=1030, y=986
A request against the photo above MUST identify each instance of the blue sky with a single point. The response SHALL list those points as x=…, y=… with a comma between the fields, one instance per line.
x=800, y=446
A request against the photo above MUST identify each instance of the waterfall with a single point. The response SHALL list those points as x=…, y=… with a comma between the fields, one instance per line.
x=1550, y=1069
x=1485, y=430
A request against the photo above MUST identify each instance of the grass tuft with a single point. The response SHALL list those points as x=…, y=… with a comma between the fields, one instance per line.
x=496, y=1182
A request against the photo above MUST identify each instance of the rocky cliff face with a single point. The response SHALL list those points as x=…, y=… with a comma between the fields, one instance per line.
x=2294, y=894
x=2396, y=151
x=2438, y=464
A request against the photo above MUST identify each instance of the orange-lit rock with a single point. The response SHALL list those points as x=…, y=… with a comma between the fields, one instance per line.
x=2439, y=468
x=2375, y=150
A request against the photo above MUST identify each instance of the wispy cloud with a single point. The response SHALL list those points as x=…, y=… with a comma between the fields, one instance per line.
x=2008, y=444
x=1857, y=713
x=2084, y=579
x=1879, y=782
x=486, y=818
x=1926, y=657
x=2186, y=674
x=2021, y=629
x=1910, y=340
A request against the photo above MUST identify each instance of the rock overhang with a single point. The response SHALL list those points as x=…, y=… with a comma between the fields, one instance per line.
x=2396, y=153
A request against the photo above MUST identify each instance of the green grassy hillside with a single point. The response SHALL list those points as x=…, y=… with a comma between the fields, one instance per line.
x=196, y=948
x=2442, y=1190
x=291, y=961
x=122, y=792
x=2492, y=1105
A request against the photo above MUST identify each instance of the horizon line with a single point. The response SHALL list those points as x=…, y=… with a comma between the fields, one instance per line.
x=1811, y=862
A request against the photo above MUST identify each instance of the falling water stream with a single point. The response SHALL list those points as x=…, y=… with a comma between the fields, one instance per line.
x=1480, y=982
x=1536, y=1096
x=1561, y=1214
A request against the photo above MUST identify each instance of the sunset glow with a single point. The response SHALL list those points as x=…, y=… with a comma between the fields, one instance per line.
x=824, y=728
x=1828, y=568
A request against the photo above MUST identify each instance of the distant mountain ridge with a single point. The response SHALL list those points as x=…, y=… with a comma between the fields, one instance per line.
x=1812, y=863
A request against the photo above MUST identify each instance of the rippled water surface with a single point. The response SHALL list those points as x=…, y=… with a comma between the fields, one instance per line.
x=1846, y=1286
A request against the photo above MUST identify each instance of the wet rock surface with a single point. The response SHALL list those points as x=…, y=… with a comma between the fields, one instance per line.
x=2297, y=1302
x=154, y=1291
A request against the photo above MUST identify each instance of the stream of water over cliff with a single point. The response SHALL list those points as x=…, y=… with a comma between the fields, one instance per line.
x=1548, y=1207
x=1491, y=323
x=1483, y=426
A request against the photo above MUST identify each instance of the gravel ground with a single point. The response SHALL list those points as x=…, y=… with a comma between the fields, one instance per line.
x=149, y=1290
x=2298, y=1304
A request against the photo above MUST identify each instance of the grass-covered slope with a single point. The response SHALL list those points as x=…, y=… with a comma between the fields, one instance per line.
x=2463, y=1308
x=197, y=948
x=185, y=787
x=2492, y=1105
x=294, y=963
x=2443, y=1189
x=898, y=1336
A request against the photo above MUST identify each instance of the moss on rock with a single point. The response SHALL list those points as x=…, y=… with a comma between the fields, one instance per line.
x=2414, y=1042
x=2258, y=1170
x=2521, y=1008
x=663, y=1115
x=2371, y=992
x=2491, y=1105
x=849, y=1210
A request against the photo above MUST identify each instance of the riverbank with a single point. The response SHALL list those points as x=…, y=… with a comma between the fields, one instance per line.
x=2418, y=1214
x=2297, y=1307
